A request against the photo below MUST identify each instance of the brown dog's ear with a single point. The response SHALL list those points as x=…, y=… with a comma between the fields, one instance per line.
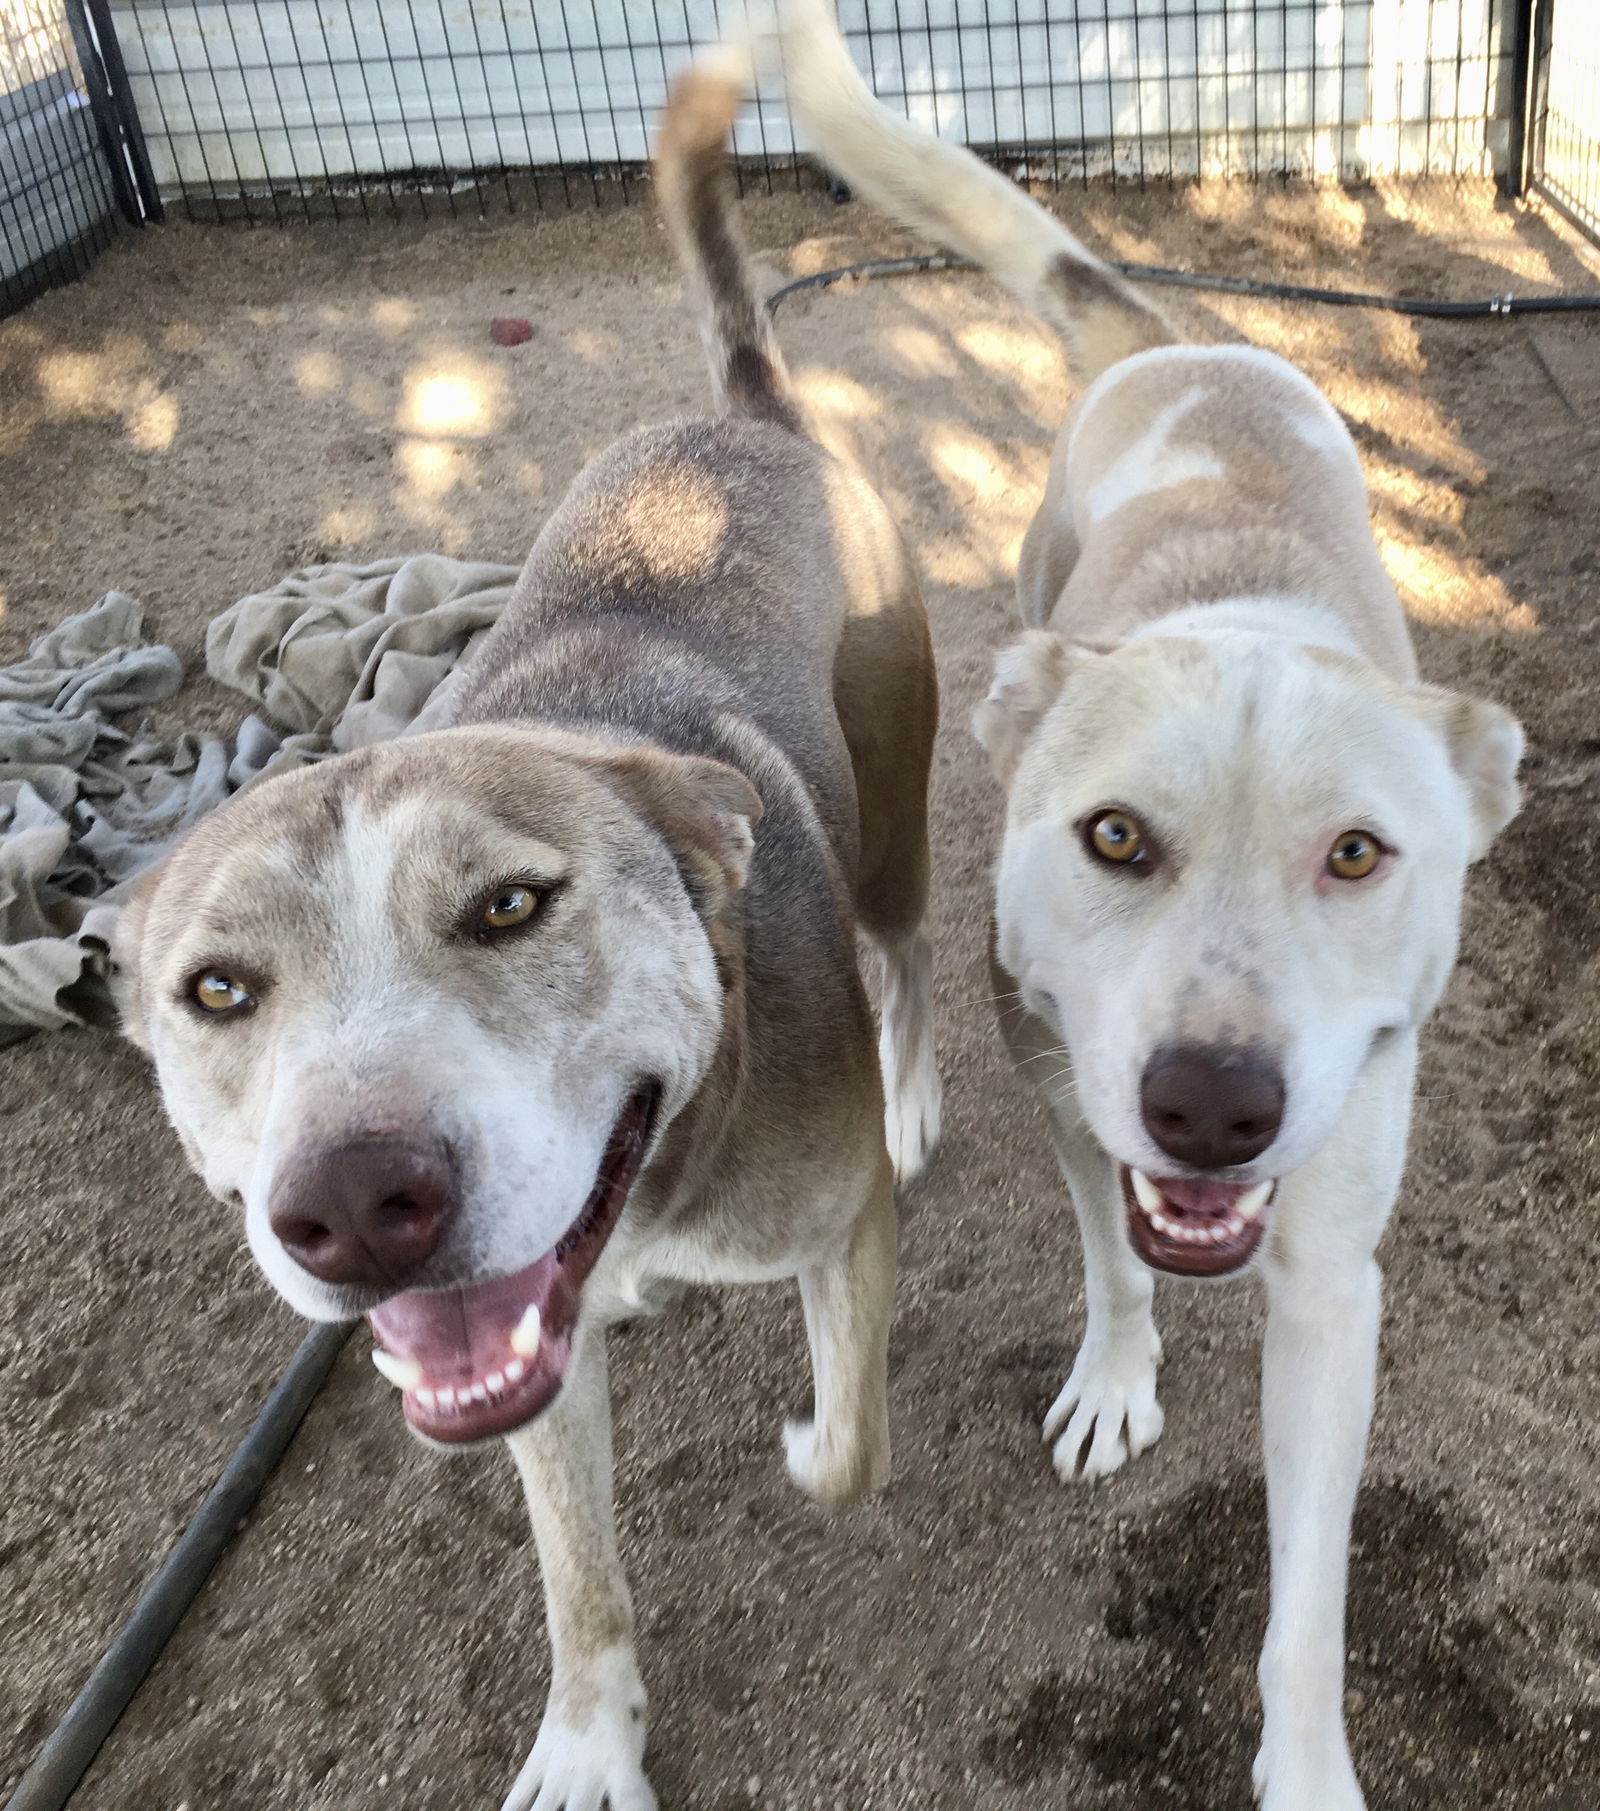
x=1485, y=745
x=1028, y=677
x=706, y=810
x=122, y=975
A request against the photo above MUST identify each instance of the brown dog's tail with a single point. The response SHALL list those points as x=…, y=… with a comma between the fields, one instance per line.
x=942, y=190
x=695, y=188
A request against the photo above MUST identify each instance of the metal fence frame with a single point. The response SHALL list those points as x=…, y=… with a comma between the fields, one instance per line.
x=1027, y=89
x=1556, y=74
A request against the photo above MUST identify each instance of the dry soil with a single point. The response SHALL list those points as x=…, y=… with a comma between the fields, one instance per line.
x=215, y=406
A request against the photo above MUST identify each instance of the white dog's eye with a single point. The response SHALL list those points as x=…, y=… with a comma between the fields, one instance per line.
x=1354, y=855
x=1115, y=836
x=215, y=992
x=507, y=908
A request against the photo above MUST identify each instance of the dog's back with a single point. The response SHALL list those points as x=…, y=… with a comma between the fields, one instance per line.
x=694, y=567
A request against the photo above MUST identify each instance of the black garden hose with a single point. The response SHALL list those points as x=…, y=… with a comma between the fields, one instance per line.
x=1238, y=286
x=137, y=1645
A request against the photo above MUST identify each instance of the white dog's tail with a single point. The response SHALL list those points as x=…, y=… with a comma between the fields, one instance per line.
x=695, y=189
x=945, y=192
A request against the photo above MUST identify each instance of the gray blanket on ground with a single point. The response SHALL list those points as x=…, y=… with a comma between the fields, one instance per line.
x=337, y=657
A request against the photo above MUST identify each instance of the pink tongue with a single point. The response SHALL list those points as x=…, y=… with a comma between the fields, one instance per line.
x=461, y=1333
x=1203, y=1200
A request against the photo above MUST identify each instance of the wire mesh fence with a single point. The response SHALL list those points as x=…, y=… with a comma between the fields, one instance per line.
x=1567, y=127
x=57, y=201
x=278, y=108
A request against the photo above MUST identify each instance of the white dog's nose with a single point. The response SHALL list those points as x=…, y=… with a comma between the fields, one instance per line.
x=1212, y=1106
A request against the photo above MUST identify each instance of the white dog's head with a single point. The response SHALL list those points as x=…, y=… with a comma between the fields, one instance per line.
x=425, y=1010
x=1232, y=868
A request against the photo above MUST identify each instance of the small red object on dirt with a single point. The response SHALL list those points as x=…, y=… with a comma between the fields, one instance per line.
x=510, y=330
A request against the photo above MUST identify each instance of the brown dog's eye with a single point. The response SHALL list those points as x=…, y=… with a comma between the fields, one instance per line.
x=507, y=908
x=1114, y=836
x=1354, y=855
x=219, y=993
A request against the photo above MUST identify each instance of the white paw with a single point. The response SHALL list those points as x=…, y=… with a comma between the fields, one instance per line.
x=1307, y=1782
x=911, y=1116
x=584, y=1763
x=1107, y=1413
x=833, y=1478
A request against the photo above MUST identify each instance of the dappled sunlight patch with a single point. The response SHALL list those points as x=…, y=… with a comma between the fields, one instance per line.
x=835, y=405
x=827, y=392
x=595, y=345
x=919, y=353
x=113, y=383
x=153, y=426
x=1439, y=588
x=996, y=496
x=813, y=255
x=316, y=373
x=392, y=315
x=431, y=468
x=348, y=524
x=1027, y=359
x=459, y=399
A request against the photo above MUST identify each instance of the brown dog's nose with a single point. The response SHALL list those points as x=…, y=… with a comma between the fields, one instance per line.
x=369, y=1213
x=1211, y=1106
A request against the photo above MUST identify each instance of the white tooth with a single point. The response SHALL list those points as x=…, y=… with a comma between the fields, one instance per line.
x=515, y=1370
x=496, y=1380
x=1248, y=1206
x=403, y=1373
x=1235, y=1227
x=1145, y=1191
x=1218, y=1234
x=426, y=1398
x=447, y=1397
x=527, y=1333
x=480, y=1392
x=1161, y=1223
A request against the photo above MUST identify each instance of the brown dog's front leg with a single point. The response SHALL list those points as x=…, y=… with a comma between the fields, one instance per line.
x=843, y=1452
x=590, y=1747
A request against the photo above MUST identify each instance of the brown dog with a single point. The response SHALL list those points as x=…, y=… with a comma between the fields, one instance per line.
x=495, y=1030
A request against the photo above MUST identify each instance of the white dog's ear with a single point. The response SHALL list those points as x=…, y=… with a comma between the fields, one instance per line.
x=706, y=810
x=1484, y=743
x=1028, y=677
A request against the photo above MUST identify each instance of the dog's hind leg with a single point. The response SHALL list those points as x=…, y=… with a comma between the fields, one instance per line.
x=848, y=1295
x=590, y=1747
x=887, y=699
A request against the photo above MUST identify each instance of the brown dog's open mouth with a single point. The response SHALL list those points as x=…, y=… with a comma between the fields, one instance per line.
x=1194, y=1227
x=480, y=1361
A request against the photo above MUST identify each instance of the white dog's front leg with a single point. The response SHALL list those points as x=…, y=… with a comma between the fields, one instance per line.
x=1107, y=1412
x=1318, y=1370
x=590, y=1747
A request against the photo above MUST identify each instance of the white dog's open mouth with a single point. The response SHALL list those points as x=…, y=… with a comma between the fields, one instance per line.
x=479, y=1361
x=1194, y=1227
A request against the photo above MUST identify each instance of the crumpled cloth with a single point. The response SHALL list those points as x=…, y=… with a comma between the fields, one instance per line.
x=337, y=657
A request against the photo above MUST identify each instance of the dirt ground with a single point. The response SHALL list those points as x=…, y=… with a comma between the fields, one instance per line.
x=214, y=407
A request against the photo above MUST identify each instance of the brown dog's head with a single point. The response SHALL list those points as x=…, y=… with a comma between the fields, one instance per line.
x=424, y=1011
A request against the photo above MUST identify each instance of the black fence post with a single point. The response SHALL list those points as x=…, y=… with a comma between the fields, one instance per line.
x=1514, y=181
x=105, y=78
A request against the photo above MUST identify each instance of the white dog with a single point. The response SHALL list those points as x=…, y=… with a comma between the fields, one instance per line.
x=1230, y=880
